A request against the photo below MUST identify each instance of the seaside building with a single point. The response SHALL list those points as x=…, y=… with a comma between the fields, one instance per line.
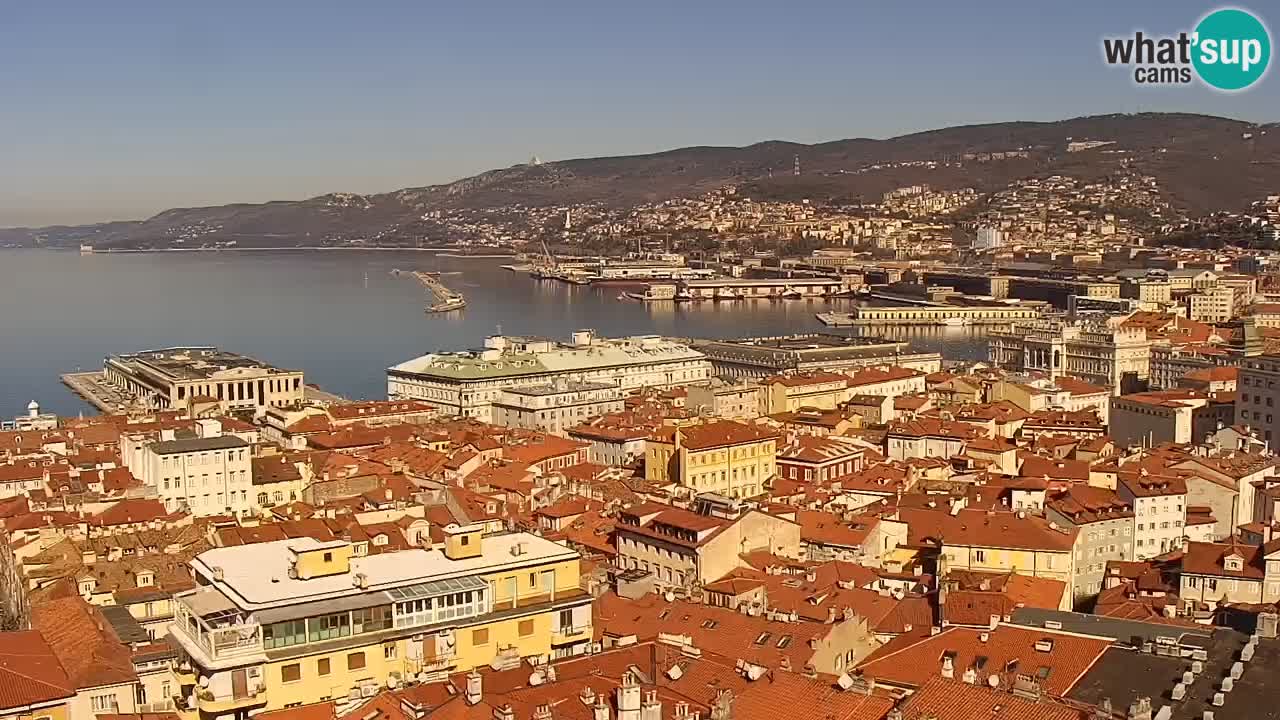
x=281, y=623
x=473, y=383
x=184, y=376
x=764, y=356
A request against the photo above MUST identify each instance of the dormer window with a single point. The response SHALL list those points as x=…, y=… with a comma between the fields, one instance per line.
x=1233, y=563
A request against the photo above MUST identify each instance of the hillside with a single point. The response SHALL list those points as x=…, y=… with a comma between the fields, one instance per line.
x=1202, y=163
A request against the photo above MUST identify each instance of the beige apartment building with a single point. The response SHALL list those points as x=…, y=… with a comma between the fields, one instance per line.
x=683, y=548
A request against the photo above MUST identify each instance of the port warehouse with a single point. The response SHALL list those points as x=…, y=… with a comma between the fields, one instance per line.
x=770, y=287
x=934, y=313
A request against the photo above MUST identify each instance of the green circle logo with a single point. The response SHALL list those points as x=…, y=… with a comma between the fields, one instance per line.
x=1232, y=49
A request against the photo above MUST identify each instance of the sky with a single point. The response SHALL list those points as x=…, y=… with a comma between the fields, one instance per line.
x=117, y=110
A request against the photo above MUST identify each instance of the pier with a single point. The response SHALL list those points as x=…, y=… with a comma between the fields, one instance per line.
x=445, y=299
x=94, y=389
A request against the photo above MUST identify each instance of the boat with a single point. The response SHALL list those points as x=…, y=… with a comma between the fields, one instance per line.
x=790, y=293
x=725, y=293
x=955, y=322
x=446, y=305
x=683, y=294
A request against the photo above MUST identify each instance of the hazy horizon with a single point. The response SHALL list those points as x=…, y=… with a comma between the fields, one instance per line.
x=117, y=113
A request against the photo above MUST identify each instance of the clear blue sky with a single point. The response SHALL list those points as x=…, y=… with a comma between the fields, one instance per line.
x=120, y=109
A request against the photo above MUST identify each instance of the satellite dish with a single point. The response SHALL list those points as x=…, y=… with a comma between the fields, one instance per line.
x=670, y=596
x=536, y=679
x=993, y=681
x=844, y=681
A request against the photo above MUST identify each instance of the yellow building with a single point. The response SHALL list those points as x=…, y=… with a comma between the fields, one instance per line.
x=789, y=393
x=998, y=542
x=298, y=621
x=724, y=457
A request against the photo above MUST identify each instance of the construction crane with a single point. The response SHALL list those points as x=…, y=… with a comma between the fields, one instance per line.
x=548, y=257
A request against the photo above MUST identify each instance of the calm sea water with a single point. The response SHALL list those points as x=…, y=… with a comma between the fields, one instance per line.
x=315, y=310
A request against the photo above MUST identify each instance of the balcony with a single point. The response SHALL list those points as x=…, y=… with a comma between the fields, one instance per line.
x=431, y=663
x=567, y=635
x=214, y=632
x=207, y=702
x=185, y=674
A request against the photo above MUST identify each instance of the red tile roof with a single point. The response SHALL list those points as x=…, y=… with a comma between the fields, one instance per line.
x=1068, y=658
x=84, y=643
x=954, y=700
x=30, y=672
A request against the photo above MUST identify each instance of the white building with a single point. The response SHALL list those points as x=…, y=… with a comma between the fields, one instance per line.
x=177, y=377
x=209, y=475
x=1160, y=511
x=988, y=238
x=470, y=383
x=555, y=407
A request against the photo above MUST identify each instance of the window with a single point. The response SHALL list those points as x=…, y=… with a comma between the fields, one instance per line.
x=526, y=628
x=979, y=556
x=389, y=651
x=282, y=634
x=291, y=673
x=466, y=540
x=480, y=636
x=104, y=703
x=328, y=557
x=355, y=661
x=329, y=627
x=371, y=619
x=322, y=666
x=533, y=579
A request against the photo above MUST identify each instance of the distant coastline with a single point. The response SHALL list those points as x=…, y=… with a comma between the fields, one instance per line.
x=444, y=251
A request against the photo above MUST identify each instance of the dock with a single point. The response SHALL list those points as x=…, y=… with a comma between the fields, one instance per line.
x=93, y=388
x=445, y=299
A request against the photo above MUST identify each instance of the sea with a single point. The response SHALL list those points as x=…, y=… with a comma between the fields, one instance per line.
x=341, y=316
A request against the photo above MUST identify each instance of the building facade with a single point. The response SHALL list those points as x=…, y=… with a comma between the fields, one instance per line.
x=470, y=383
x=284, y=623
x=202, y=475
x=1114, y=357
x=177, y=377
x=555, y=407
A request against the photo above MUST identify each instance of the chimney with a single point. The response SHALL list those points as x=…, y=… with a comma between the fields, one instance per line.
x=475, y=688
x=651, y=708
x=600, y=711
x=504, y=713
x=628, y=697
x=1140, y=709
x=948, y=667
x=587, y=696
x=542, y=712
x=722, y=706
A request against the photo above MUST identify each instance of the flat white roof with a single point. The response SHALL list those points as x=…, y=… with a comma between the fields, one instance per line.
x=257, y=576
